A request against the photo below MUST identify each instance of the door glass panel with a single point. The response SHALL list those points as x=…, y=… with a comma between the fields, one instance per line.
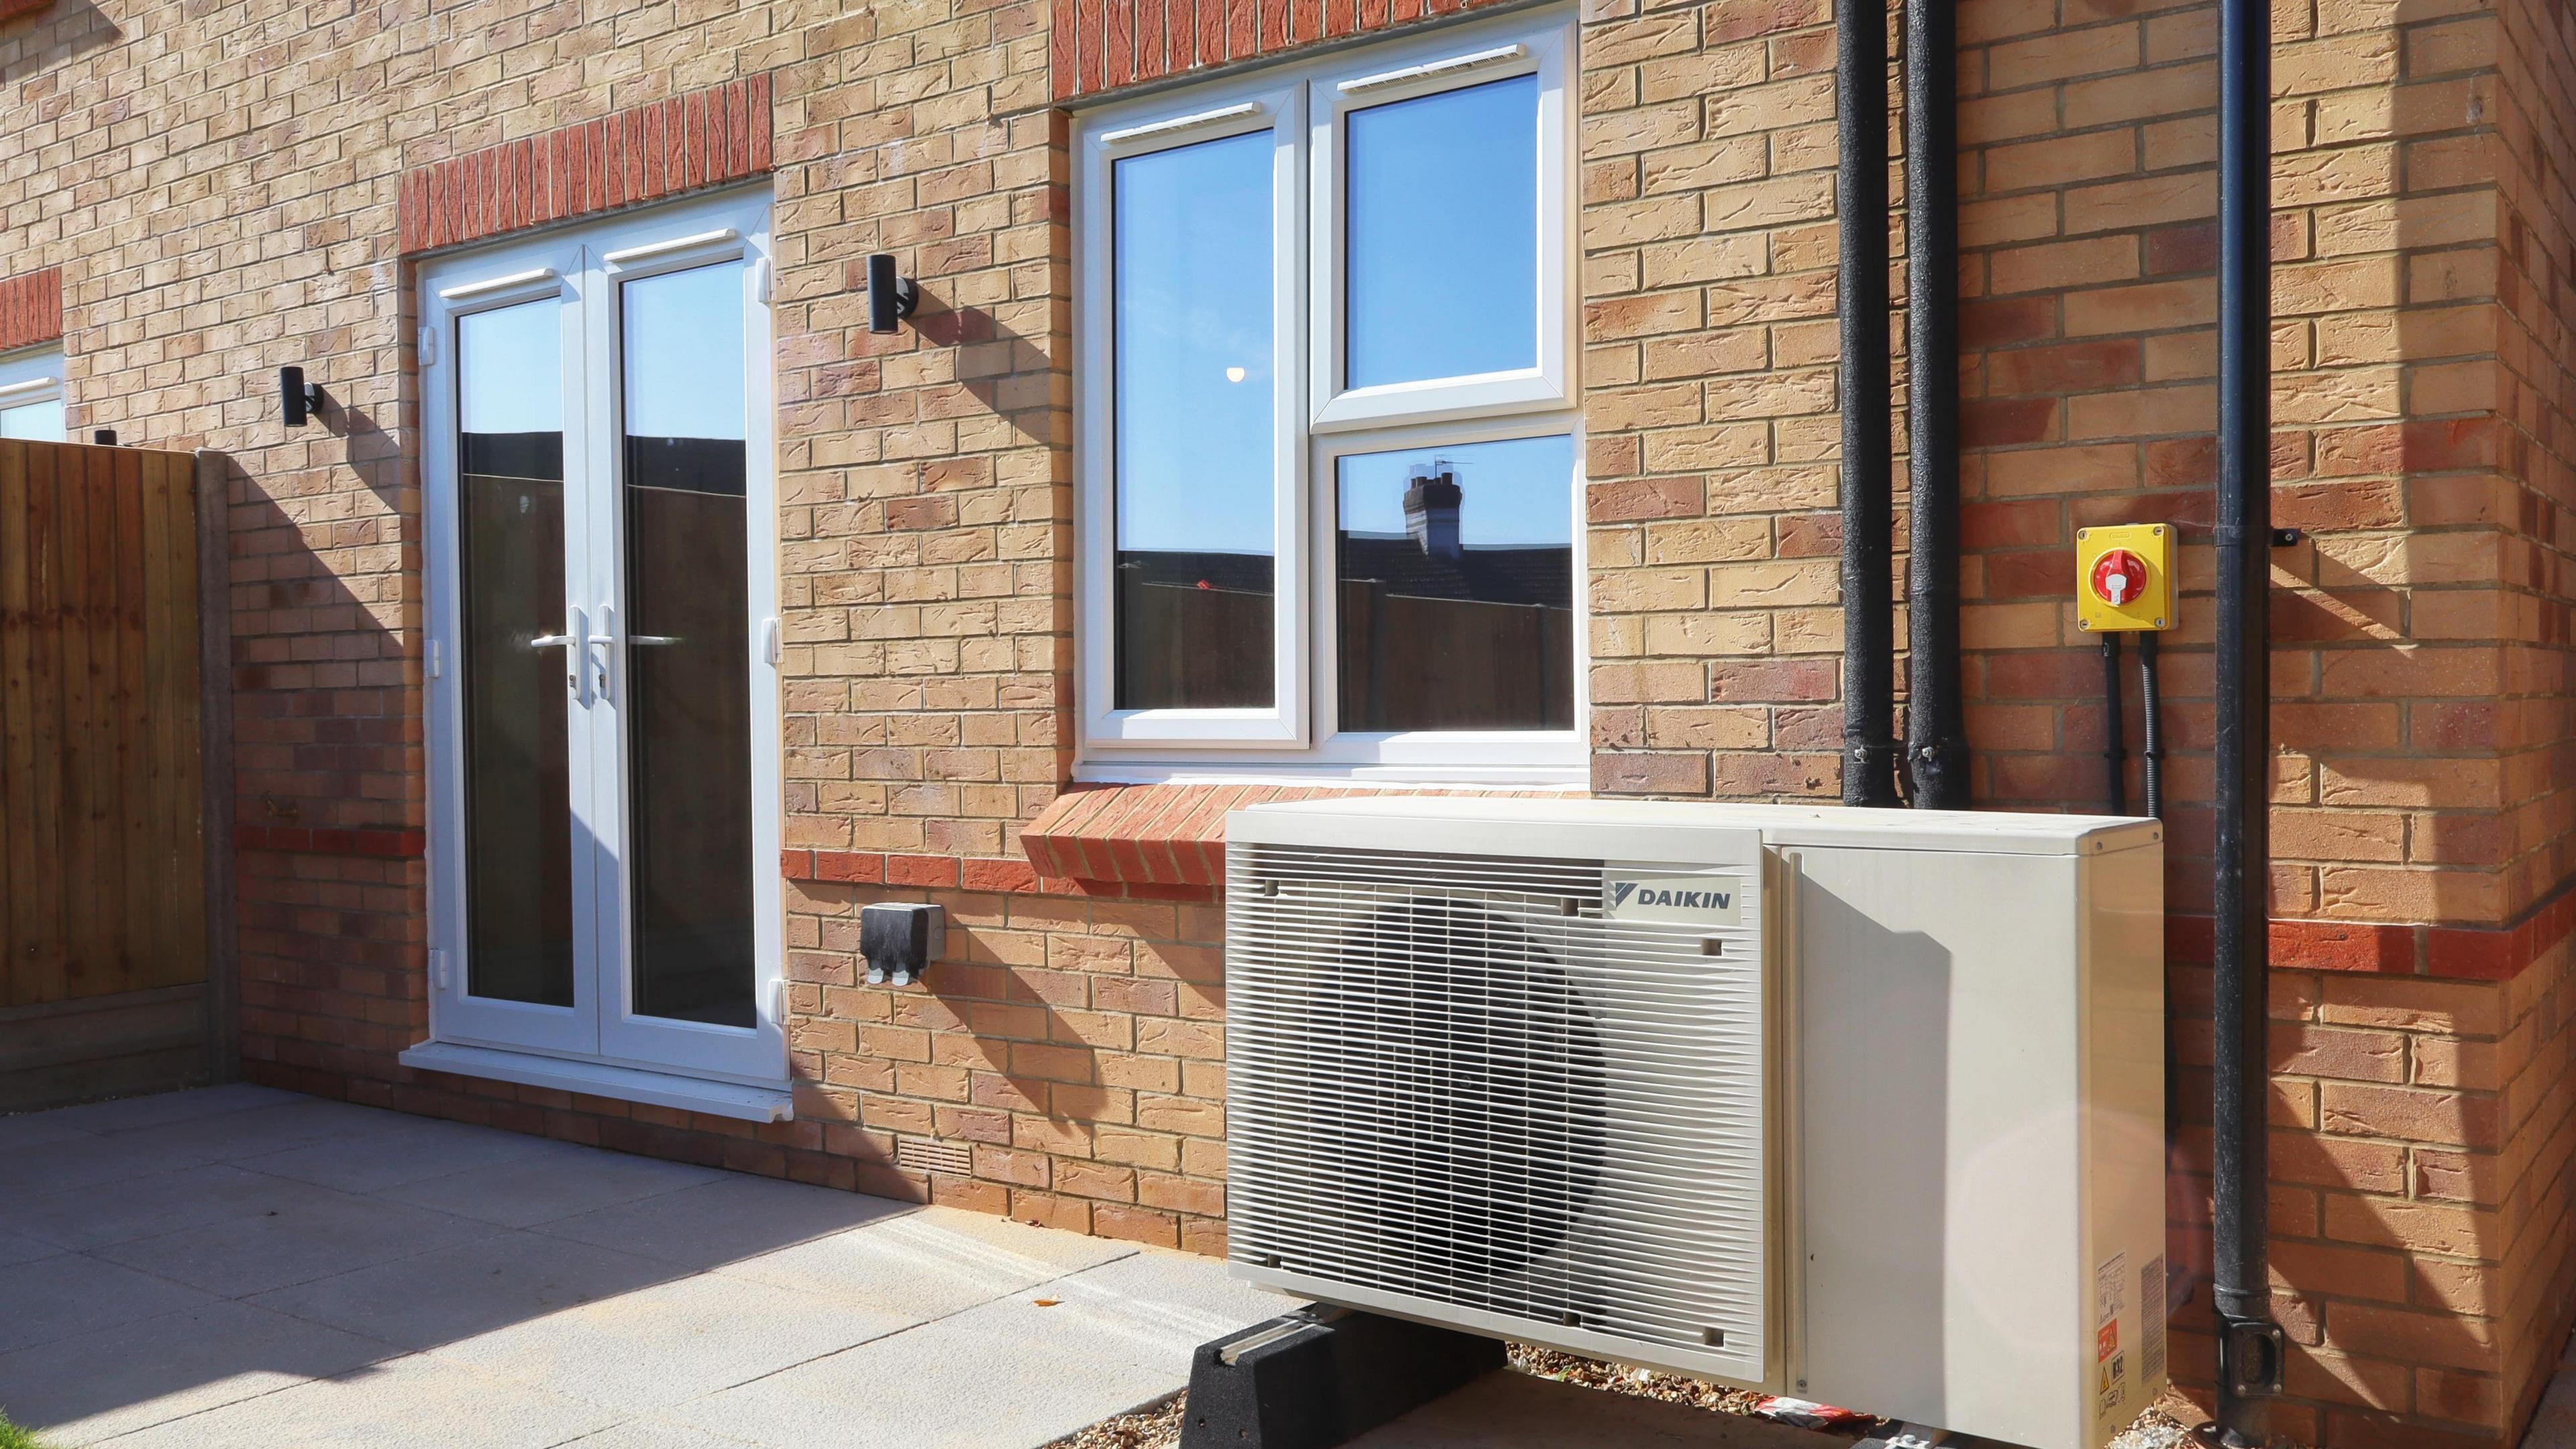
x=518, y=810
x=1456, y=571
x=688, y=605
x=1195, y=394
x=1441, y=203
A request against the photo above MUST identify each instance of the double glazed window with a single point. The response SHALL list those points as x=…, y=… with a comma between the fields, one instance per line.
x=31, y=395
x=1328, y=476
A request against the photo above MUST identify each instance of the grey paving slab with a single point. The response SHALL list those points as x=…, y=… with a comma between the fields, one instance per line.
x=1514, y=1411
x=1157, y=1303
x=410, y=1150
x=1005, y=1375
x=655, y=1433
x=930, y=1262
x=17, y=1248
x=87, y=1160
x=253, y=1131
x=523, y=1193
x=401, y=1402
x=111, y=1381
x=125, y=1114
x=35, y=1129
x=470, y=1288
x=327, y=1234
x=305, y=1275
x=151, y=1205
x=659, y=1346
x=54, y=1298
x=728, y=1217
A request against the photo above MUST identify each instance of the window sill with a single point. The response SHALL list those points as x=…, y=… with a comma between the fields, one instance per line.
x=1169, y=834
x=599, y=1079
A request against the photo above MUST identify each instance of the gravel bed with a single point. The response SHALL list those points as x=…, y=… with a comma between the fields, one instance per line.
x=2168, y=1425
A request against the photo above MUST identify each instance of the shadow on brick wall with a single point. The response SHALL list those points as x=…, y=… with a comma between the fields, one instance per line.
x=32, y=43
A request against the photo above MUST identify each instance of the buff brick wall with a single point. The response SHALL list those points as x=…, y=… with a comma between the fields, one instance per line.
x=2421, y=725
x=221, y=189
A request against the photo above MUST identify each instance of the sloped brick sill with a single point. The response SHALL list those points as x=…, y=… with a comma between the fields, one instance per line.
x=1162, y=834
x=12, y=9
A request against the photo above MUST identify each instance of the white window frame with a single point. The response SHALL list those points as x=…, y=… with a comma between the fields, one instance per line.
x=1208, y=115
x=34, y=375
x=1374, y=77
x=601, y=1040
x=1316, y=421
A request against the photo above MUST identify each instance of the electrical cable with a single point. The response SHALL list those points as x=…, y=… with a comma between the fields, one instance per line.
x=2151, y=754
x=2115, y=749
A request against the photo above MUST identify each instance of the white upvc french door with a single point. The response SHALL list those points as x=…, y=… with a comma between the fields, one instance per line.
x=603, y=734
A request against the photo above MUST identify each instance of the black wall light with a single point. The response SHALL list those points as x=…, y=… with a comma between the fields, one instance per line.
x=297, y=398
x=104, y=437
x=891, y=298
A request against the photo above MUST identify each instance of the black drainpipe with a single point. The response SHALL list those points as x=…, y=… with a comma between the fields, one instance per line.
x=2250, y=1343
x=1936, y=744
x=1869, y=606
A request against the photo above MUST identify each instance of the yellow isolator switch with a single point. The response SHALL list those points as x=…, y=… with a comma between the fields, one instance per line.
x=2124, y=578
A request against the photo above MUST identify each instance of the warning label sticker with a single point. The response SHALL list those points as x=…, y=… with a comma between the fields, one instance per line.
x=2151, y=1319
x=2110, y=1299
x=2110, y=1288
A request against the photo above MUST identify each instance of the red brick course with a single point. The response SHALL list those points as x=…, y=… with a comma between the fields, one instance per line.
x=31, y=304
x=1104, y=45
x=644, y=153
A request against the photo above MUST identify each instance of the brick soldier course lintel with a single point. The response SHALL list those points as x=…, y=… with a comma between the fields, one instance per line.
x=1163, y=834
x=646, y=153
x=31, y=303
x=1103, y=45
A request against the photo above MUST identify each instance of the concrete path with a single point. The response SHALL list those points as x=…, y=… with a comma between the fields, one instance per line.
x=241, y=1266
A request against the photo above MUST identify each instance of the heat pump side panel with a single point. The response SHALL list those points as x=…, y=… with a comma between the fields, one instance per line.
x=1939, y=1134
x=2124, y=1136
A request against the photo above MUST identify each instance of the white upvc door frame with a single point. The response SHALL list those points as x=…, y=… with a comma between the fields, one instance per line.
x=711, y=233
x=542, y=269
x=575, y=265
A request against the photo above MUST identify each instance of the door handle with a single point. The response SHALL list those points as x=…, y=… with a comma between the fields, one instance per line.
x=607, y=636
x=652, y=638
x=576, y=630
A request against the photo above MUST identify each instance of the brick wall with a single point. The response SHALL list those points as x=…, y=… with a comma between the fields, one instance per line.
x=1710, y=414
x=224, y=191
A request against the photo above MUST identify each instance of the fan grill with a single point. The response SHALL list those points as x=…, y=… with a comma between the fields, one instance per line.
x=1453, y=1081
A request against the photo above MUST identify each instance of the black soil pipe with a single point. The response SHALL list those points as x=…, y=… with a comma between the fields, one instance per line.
x=1936, y=742
x=2250, y=1344
x=1869, y=605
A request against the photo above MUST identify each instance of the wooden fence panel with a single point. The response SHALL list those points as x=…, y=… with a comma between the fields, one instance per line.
x=102, y=848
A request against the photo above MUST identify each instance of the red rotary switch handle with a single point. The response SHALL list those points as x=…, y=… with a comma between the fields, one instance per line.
x=2119, y=577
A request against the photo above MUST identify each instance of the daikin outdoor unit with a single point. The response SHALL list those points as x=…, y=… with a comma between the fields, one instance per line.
x=1861, y=1106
